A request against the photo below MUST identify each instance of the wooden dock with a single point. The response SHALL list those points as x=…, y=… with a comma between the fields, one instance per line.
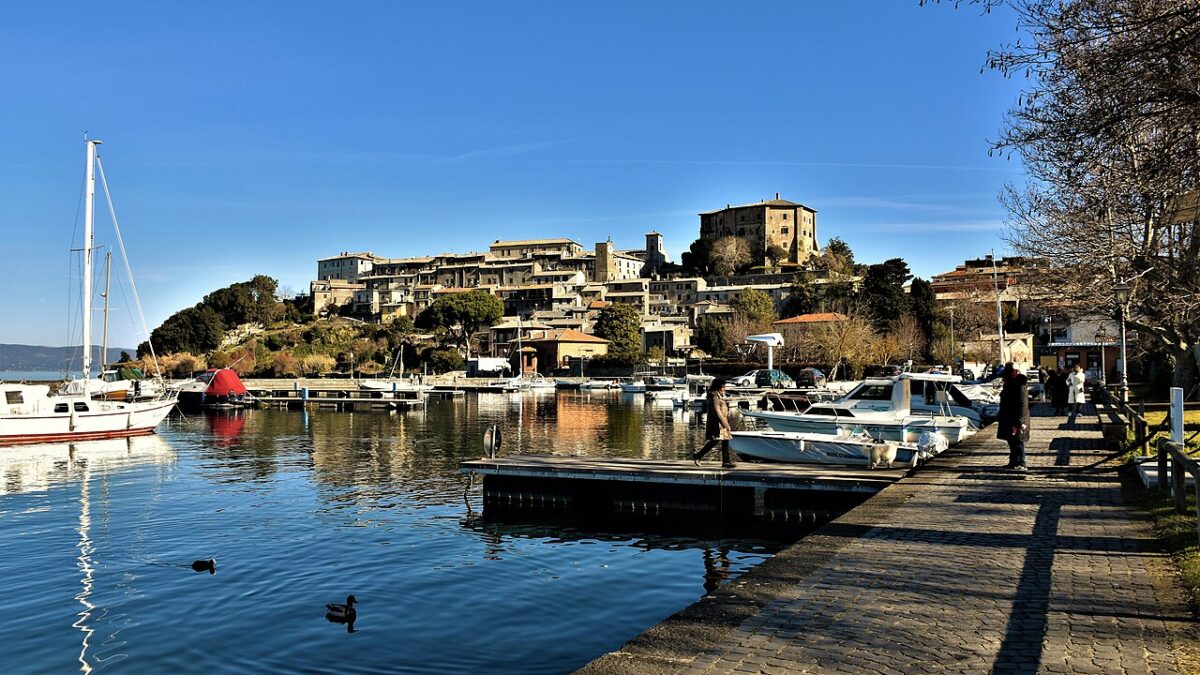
x=339, y=398
x=783, y=492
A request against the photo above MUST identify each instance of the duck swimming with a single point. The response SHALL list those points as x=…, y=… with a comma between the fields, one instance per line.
x=209, y=566
x=341, y=613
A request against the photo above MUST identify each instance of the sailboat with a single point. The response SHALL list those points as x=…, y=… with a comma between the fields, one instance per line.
x=30, y=414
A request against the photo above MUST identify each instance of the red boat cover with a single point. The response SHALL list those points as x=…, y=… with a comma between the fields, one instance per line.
x=224, y=382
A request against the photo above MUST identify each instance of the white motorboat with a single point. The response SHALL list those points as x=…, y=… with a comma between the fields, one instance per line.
x=940, y=394
x=665, y=394
x=597, y=385
x=634, y=387
x=803, y=448
x=29, y=414
x=880, y=408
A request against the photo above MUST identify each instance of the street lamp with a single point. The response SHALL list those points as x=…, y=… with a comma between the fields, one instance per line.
x=1102, y=339
x=1121, y=294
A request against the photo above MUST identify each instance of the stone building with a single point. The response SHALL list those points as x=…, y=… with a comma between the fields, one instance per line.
x=775, y=222
x=346, y=266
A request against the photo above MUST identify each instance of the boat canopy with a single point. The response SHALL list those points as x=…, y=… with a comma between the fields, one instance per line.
x=222, y=382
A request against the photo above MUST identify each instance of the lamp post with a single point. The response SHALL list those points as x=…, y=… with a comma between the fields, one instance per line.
x=1121, y=294
x=1102, y=339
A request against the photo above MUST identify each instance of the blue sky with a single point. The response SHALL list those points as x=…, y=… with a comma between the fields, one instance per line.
x=245, y=138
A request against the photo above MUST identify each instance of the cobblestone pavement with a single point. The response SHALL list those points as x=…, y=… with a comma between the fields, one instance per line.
x=981, y=570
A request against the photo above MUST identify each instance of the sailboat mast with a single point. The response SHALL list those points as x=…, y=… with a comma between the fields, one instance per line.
x=86, y=300
x=104, y=333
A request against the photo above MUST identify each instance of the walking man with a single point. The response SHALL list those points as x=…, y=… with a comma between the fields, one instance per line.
x=716, y=424
x=1075, y=392
x=1012, y=423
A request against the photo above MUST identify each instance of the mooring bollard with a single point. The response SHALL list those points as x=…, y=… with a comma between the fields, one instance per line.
x=304, y=394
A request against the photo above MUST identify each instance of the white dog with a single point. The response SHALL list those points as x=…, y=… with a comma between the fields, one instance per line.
x=882, y=453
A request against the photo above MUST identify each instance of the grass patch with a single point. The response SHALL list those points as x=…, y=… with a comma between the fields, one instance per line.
x=1177, y=532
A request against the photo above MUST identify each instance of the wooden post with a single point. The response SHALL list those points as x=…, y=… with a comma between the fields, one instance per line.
x=1179, y=479
x=1162, y=464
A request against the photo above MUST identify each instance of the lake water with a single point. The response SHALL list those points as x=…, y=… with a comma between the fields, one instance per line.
x=301, y=509
x=35, y=375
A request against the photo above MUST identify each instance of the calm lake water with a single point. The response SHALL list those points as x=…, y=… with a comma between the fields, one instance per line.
x=301, y=509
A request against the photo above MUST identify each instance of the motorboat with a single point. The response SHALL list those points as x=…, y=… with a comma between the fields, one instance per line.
x=805, y=448
x=879, y=407
x=940, y=394
x=215, y=388
x=597, y=385
x=634, y=387
x=29, y=414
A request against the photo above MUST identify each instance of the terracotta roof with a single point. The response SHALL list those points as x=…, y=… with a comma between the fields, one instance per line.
x=598, y=304
x=821, y=317
x=566, y=335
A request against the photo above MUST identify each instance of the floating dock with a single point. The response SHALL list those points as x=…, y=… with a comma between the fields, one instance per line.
x=337, y=398
x=665, y=488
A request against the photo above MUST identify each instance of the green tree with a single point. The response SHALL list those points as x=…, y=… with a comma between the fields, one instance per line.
x=803, y=298
x=883, y=291
x=197, y=330
x=836, y=258
x=697, y=260
x=462, y=315
x=125, y=358
x=755, y=305
x=712, y=337
x=442, y=360
x=921, y=302
x=622, y=326
x=245, y=302
x=777, y=254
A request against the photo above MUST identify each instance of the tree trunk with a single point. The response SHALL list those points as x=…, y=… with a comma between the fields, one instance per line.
x=1185, y=365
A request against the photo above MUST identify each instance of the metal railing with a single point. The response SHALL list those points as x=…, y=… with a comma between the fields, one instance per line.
x=1173, y=459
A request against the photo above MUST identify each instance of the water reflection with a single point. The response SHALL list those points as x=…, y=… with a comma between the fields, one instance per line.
x=370, y=502
x=39, y=467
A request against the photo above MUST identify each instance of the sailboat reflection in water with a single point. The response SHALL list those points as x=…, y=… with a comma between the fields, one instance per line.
x=43, y=466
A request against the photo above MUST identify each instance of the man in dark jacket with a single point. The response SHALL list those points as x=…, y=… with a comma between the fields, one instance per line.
x=716, y=425
x=1012, y=422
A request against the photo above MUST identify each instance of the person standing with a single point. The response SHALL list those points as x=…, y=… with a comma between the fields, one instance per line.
x=716, y=425
x=1075, y=391
x=1012, y=422
x=1058, y=392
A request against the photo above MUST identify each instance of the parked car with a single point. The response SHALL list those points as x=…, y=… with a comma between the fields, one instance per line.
x=775, y=379
x=810, y=377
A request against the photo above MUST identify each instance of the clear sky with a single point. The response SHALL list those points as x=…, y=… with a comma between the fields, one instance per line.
x=245, y=138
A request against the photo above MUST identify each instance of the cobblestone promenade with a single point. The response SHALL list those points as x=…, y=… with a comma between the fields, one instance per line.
x=961, y=568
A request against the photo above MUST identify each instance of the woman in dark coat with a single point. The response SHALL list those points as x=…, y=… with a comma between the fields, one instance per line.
x=1058, y=392
x=1012, y=423
x=716, y=425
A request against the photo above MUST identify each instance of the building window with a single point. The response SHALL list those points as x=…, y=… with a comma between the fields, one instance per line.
x=785, y=216
x=783, y=231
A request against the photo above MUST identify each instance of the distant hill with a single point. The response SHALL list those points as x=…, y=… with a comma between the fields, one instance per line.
x=34, y=357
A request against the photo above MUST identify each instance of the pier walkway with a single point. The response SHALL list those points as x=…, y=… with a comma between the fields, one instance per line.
x=961, y=567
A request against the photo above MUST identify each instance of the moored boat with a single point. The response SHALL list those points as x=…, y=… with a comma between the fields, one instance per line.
x=31, y=415
x=881, y=408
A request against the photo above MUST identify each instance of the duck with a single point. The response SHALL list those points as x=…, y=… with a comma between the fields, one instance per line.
x=209, y=566
x=341, y=613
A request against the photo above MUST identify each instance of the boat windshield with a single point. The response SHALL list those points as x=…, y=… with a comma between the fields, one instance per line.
x=872, y=392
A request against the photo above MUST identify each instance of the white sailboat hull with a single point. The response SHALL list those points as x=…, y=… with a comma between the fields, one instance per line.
x=102, y=420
